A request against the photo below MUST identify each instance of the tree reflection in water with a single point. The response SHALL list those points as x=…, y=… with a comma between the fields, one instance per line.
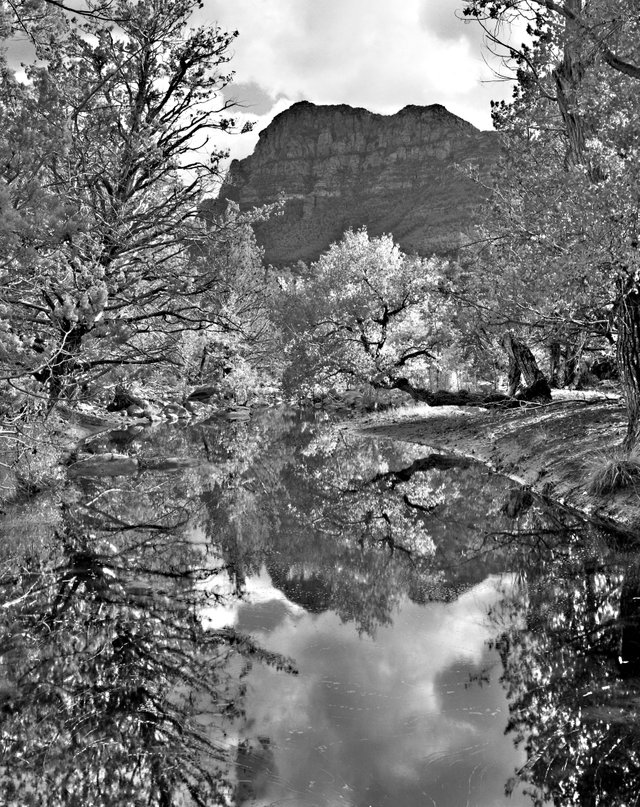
x=572, y=675
x=113, y=692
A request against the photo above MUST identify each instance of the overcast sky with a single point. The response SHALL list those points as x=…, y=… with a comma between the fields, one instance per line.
x=378, y=54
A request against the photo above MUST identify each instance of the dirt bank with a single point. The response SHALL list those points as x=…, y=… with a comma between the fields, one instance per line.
x=552, y=448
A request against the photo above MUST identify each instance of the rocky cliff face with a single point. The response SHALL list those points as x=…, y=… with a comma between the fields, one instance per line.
x=340, y=167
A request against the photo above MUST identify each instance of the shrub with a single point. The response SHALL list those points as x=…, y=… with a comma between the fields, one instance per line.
x=612, y=473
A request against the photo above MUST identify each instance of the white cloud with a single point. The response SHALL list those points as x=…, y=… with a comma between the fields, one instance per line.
x=395, y=715
x=369, y=53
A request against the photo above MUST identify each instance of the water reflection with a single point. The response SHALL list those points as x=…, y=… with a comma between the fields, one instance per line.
x=148, y=620
x=395, y=720
x=570, y=670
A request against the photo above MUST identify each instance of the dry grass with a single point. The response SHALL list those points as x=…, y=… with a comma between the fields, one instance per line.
x=613, y=472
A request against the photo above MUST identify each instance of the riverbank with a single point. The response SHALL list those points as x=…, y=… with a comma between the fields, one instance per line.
x=554, y=449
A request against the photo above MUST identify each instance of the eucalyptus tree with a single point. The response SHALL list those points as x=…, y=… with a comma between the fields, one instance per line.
x=564, y=233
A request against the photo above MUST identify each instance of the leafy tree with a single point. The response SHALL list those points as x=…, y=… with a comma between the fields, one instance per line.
x=243, y=349
x=366, y=313
x=107, y=262
x=562, y=245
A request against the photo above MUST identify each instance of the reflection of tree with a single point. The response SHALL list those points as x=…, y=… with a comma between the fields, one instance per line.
x=112, y=691
x=339, y=522
x=348, y=524
x=571, y=676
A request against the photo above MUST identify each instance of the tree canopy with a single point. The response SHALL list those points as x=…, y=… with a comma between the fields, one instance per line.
x=563, y=233
x=365, y=312
x=107, y=262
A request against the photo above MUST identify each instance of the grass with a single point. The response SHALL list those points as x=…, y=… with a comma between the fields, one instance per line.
x=613, y=472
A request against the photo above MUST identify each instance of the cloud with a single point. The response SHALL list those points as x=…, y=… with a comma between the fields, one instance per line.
x=369, y=53
x=392, y=720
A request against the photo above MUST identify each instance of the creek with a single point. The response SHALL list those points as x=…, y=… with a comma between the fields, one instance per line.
x=284, y=613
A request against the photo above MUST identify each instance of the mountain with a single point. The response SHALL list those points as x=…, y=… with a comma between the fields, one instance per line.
x=340, y=167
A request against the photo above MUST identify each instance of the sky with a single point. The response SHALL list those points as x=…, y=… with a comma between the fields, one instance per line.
x=378, y=54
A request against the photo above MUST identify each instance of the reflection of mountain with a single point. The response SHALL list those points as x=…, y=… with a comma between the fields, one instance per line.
x=311, y=590
x=253, y=617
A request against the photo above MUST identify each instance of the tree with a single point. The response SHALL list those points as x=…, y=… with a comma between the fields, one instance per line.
x=366, y=313
x=107, y=258
x=113, y=689
x=565, y=229
x=242, y=350
x=599, y=24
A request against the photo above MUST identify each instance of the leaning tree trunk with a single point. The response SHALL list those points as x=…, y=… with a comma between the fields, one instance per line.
x=522, y=364
x=628, y=356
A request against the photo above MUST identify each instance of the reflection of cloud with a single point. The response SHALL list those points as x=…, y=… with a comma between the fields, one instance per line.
x=390, y=721
x=271, y=605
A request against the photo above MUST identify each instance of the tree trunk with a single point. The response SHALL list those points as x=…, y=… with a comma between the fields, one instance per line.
x=568, y=76
x=522, y=364
x=555, y=356
x=442, y=397
x=574, y=365
x=628, y=356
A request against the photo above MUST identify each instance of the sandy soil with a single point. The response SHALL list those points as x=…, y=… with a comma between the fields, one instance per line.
x=552, y=448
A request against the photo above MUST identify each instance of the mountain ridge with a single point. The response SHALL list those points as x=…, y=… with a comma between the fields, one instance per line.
x=341, y=167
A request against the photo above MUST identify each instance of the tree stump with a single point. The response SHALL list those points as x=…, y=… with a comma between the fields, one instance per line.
x=124, y=398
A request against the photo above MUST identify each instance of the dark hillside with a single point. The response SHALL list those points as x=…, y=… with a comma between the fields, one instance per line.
x=341, y=168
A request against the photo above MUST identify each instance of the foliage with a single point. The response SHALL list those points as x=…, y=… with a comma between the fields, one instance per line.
x=572, y=707
x=365, y=313
x=614, y=473
x=561, y=244
x=112, y=688
x=107, y=262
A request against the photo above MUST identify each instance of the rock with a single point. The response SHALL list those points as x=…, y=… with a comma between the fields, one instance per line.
x=241, y=413
x=203, y=394
x=135, y=411
x=174, y=410
x=340, y=167
x=152, y=411
x=168, y=463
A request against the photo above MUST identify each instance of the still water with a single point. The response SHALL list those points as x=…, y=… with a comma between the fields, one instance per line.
x=278, y=612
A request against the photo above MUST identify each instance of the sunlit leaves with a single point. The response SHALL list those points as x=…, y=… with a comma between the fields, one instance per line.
x=107, y=261
x=366, y=313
